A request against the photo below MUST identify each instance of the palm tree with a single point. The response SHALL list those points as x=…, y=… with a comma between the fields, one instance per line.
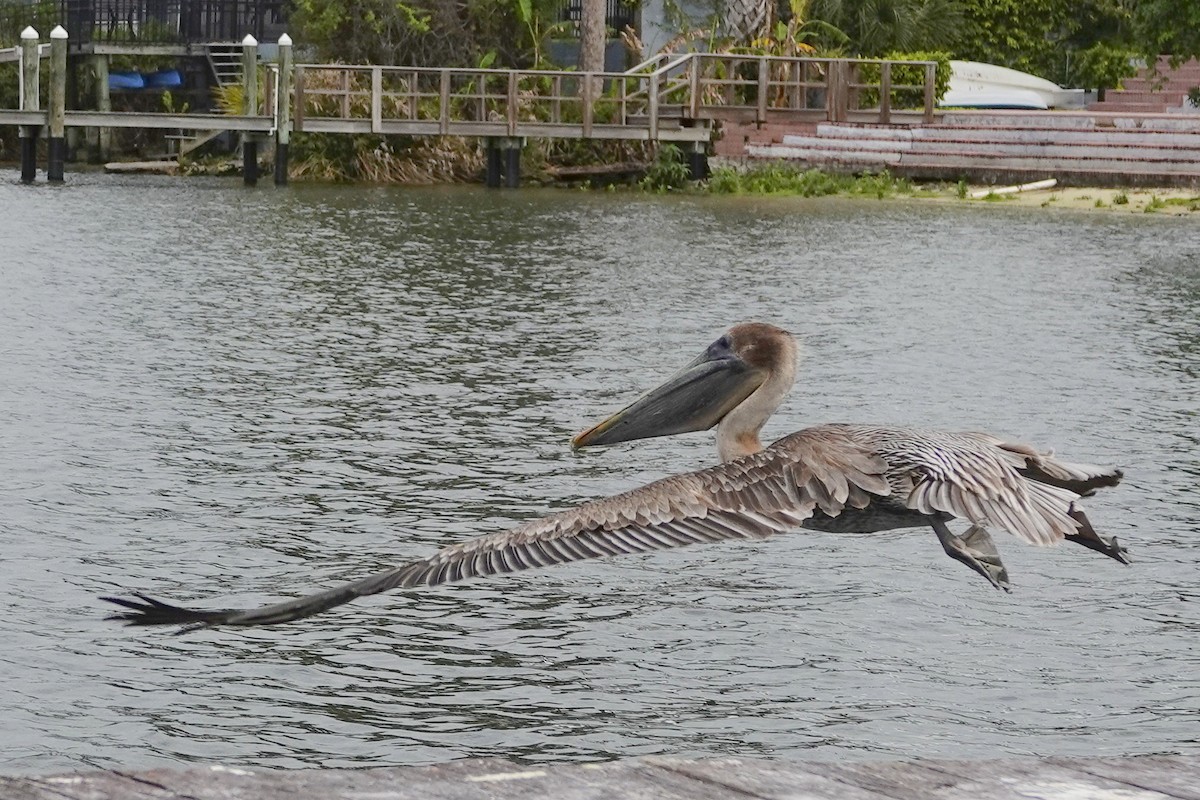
x=876, y=27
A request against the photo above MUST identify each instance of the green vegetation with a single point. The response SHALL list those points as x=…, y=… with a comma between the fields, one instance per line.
x=669, y=170
x=787, y=179
x=1120, y=199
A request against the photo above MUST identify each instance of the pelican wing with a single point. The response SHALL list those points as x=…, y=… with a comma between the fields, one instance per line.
x=768, y=492
x=983, y=479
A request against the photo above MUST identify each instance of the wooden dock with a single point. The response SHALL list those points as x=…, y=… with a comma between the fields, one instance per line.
x=674, y=99
x=653, y=778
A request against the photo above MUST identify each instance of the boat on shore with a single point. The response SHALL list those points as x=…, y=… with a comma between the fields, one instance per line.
x=974, y=84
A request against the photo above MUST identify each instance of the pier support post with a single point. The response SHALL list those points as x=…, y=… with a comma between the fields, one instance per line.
x=494, y=164
x=30, y=78
x=698, y=162
x=249, y=108
x=283, y=110
x=512, y=165
x=504, y=161
x=56, y=146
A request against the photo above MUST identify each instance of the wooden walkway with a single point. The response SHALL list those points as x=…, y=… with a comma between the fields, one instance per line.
x=655, y=778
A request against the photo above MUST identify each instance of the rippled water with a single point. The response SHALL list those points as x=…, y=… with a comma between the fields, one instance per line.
x=209, y=392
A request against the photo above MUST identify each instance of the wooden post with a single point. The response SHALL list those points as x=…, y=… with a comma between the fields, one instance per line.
x=444, y=101
x=103, y=136
x=587, y=87
x=885, y=92
x=283, y=110
x=764, y=80
x=56, y=146
x=511, y=102
x=930, y=90
x=376, y=99
x=299, y=78
x=249, y=108
x=30, y=79
x=652, y=98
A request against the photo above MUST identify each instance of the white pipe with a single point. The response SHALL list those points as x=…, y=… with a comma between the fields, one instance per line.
x=1049, y=183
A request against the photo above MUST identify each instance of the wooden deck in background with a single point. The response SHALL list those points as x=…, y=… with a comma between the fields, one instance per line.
x=655, y=778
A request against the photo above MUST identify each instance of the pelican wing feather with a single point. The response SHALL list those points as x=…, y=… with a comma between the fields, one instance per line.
x=771, y=491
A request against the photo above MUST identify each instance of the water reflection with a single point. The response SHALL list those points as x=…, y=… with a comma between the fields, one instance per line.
x=282, y=389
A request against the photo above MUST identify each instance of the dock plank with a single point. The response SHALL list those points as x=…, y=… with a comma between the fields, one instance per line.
x=651, y=778
x=1038, y=780
x=772, y=780
x=1177, y=777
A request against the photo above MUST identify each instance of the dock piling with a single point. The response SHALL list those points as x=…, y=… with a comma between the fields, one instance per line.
x=504, y=161
x=30, y=77
x=249, y=108
x=56, y=145
x=283, y=110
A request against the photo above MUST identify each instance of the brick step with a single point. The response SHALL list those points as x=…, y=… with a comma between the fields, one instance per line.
x=1173, y=84
x=892, y=150
x=1052, y=165
x=1170, y=97
x=1072, y=120
x=1030, y=136
x=1130, y=108
x=953, y=165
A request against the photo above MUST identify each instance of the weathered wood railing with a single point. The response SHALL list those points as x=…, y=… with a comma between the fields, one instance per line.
x=482, y=102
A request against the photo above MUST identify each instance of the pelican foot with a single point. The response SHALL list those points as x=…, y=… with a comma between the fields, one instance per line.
x=1086, y=535
x=1109, y=547
x=976, y=549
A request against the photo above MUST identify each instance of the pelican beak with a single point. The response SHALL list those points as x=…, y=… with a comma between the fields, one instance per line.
x=694, y=399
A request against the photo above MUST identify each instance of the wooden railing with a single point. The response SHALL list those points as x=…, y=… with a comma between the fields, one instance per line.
x=480, y=102
x=665, y=97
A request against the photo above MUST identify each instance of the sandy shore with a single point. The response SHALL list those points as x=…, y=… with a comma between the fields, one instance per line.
x=1176, y=201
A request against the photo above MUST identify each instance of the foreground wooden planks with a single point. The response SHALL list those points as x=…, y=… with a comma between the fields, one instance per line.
x=654, y=778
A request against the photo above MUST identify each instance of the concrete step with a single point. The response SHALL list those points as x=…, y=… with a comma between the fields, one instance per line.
x=1031, y=136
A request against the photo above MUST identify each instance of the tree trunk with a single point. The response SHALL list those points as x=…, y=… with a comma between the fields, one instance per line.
x=591, y=35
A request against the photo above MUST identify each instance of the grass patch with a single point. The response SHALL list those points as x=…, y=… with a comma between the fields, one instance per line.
x=792, y=180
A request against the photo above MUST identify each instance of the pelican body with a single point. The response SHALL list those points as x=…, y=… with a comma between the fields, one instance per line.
x=838, y=478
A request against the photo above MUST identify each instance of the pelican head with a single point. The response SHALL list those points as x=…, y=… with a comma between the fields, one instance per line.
x=735, y=384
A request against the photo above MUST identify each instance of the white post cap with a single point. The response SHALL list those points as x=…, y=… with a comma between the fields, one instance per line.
x=29, y=33
x=59, y=32
x=285, y=40
x=249, y=41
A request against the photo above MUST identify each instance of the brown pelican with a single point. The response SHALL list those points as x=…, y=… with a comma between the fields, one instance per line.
x=838, y=478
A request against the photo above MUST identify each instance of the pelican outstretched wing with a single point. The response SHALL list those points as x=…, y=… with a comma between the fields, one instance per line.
x=768, y=492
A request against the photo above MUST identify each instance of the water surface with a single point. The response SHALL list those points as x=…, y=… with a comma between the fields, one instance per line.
x=225, y=396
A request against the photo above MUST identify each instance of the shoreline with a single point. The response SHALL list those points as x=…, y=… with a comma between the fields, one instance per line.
x=1168, y=200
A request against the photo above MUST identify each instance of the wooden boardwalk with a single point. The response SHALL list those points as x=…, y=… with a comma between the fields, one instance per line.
x=654, y=778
